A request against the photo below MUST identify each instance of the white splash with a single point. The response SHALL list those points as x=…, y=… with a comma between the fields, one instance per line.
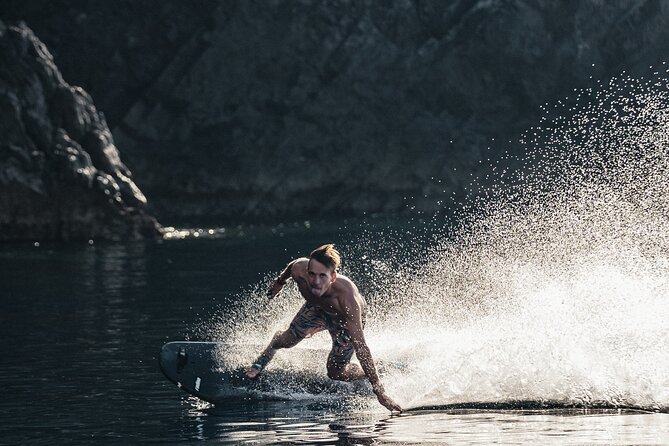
x=552, y=288
x=555, y=288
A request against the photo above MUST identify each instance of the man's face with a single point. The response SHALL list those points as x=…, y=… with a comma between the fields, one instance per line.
x=320, y=277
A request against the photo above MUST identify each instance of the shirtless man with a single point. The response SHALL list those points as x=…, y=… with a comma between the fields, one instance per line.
x=333, y=303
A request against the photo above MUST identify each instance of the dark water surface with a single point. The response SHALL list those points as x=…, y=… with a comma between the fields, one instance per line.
x=82, y=325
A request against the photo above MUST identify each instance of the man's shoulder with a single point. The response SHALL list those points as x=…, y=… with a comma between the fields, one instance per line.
x=302, y=261
x=346, y=280
x=300, y=265
x=350, y=300
x=346, y=286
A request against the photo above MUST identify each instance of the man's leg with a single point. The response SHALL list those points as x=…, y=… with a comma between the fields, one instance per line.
x=306, y=322
x=281, y=339
x=339, y=360
x=346, y=372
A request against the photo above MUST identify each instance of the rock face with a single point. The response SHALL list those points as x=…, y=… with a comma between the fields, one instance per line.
x=284, y=109
x=61, y=176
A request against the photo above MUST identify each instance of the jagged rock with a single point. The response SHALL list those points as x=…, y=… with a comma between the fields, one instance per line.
x=284, y=108
x=61, y=176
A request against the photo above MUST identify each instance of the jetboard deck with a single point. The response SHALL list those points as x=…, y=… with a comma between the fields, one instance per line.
x=197, y=368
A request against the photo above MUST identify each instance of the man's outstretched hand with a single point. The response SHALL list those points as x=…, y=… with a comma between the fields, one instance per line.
x=388, y=402
x=274, y=289
x=252, y=372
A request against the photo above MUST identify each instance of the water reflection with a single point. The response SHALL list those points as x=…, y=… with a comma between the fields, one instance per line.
x=82, y=335
x=290, y=423
x=283, y=422
x=113, y=268
x=511, y=427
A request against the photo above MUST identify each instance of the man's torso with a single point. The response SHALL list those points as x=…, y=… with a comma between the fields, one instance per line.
x=342, y=295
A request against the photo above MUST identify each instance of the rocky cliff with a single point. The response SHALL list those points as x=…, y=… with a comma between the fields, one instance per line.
x=279, y=109
x=61, y=176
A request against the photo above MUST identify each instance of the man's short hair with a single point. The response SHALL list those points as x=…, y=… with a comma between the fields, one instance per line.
x=327, y=255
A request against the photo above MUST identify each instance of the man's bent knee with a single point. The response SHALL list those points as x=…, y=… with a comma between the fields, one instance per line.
x=345, y=372
x=338, y=372
x=335, y=374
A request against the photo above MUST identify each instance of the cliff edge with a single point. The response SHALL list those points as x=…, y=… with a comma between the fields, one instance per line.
x=61, y=176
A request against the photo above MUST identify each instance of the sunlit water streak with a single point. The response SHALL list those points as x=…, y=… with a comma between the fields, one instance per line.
x=550, y=288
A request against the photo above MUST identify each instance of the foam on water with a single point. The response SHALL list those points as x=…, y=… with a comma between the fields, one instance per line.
x=551, y=287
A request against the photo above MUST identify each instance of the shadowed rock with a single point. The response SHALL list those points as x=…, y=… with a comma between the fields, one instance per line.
x=284, y=108
x=61, y=176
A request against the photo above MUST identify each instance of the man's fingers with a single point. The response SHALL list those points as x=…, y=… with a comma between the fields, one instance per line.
x=389, y=404
x=272, y=292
